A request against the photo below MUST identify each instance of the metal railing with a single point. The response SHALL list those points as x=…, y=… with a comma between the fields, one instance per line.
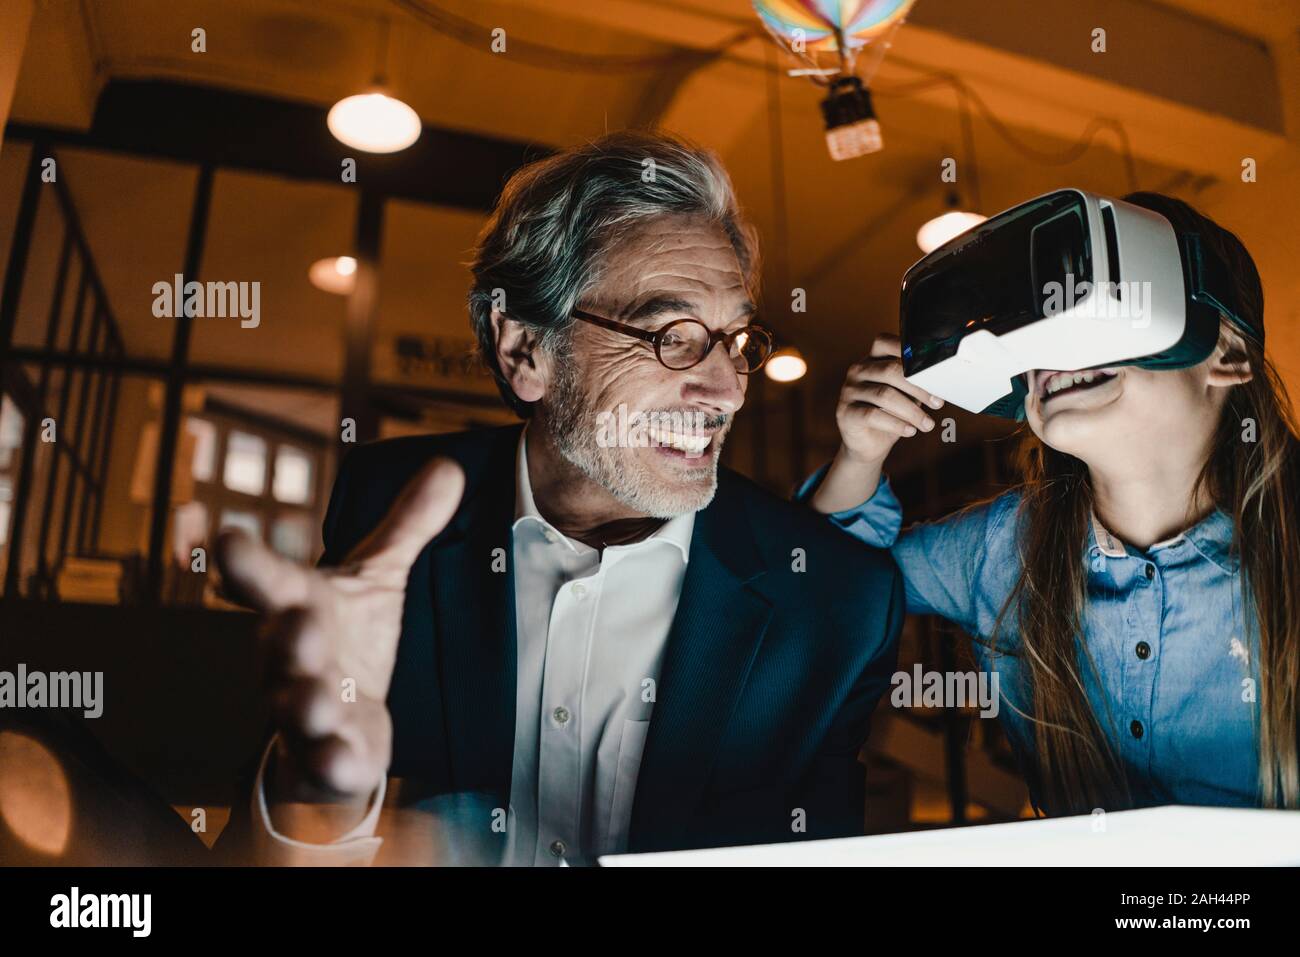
x=72, y=502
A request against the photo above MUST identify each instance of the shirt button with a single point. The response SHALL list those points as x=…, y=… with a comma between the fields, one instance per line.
x=558, y=849
x=1136, y=728
x=561, y=715
x=549, y=536
x=1150, y=571
x=580, y=592
x=1143, y=650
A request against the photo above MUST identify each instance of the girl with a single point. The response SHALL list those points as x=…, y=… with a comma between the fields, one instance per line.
x=1138, y=593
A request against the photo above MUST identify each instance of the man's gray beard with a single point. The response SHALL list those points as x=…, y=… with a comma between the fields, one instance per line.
x=571, y=420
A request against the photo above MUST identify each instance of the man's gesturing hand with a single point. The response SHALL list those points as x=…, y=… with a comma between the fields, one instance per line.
x=324, y=626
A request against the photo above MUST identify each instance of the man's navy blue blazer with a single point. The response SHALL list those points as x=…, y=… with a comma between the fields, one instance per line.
x=784, y=639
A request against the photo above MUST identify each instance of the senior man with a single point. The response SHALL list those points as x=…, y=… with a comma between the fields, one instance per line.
x=633, y=649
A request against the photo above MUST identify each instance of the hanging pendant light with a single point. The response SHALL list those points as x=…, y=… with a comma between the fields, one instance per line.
x=337, y=274
x=947, y=225
x=786, y=365
x=375, y=121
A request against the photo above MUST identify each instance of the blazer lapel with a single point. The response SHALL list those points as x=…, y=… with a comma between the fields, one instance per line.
x=720, y=621
x=474, y=614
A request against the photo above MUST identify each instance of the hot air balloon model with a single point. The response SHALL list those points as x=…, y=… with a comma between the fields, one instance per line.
x=830, y=36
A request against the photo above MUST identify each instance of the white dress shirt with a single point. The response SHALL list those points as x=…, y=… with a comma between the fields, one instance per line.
x=590, y=631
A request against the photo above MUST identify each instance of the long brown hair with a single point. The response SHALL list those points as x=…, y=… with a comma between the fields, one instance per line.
x=1257, y=483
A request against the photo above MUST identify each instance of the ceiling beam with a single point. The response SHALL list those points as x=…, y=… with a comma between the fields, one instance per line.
x=238, y=130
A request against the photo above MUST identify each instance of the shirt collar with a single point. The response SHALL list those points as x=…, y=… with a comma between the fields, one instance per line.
x=525, y=507
x=676, y=531
x=1211, y=536
x=1110, y=546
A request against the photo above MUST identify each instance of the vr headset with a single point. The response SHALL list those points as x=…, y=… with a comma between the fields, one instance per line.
x=1068, y=281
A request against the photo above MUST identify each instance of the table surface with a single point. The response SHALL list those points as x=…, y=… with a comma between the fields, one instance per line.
x=1166, y=836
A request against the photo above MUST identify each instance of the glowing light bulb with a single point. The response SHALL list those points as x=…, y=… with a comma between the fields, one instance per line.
x=786, y=365
x=374, y=122
x=944, y=227
x=337, y=274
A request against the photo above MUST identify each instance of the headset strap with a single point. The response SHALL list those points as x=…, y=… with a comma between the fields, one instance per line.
x=1011, y=405
x=1209, y=283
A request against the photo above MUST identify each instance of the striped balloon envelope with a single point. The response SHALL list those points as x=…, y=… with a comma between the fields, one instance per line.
x=814, y=25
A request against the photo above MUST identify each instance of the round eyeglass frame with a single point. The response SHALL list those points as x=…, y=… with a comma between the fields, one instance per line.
x=656, y=337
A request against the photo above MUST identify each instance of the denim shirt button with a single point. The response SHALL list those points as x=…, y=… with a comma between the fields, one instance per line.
x=1149, y=571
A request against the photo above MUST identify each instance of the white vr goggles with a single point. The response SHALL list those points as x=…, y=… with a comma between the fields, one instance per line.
x=1067, y=281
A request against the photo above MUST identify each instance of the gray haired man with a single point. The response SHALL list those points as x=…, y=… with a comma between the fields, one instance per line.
x=624, y=646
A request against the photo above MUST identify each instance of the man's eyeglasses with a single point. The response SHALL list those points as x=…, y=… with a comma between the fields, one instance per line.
x=684, y=343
